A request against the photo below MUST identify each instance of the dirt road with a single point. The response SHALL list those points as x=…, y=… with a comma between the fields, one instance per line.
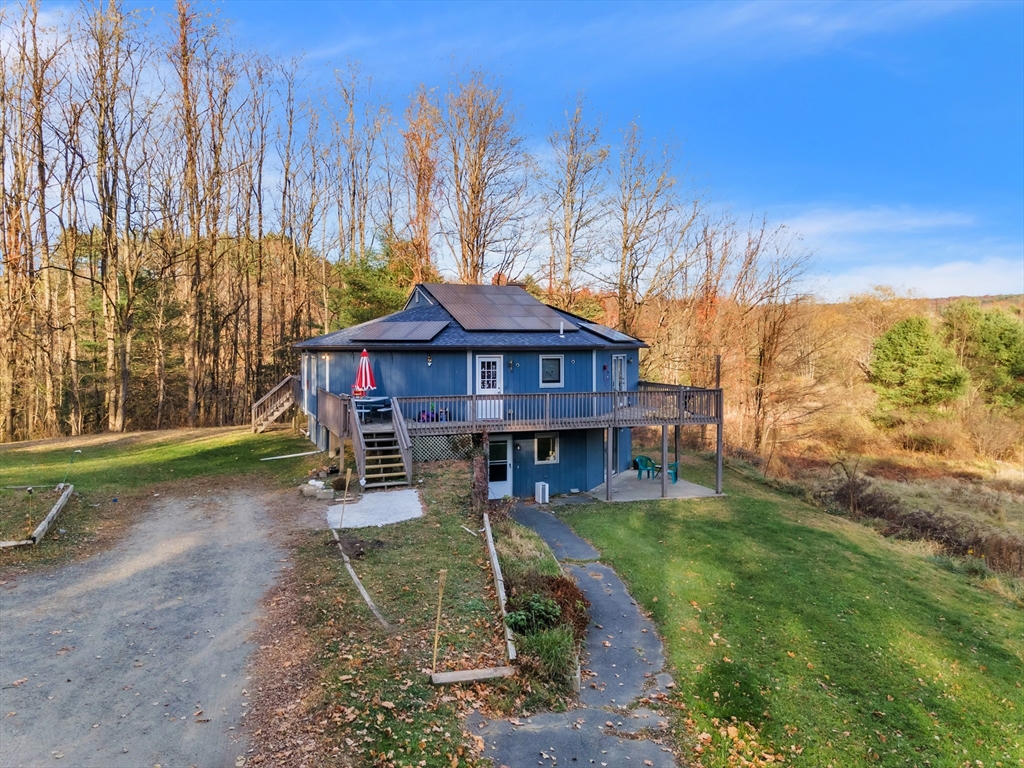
x=137, y=656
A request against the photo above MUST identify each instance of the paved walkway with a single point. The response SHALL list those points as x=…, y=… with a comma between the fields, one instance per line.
x=622, y=663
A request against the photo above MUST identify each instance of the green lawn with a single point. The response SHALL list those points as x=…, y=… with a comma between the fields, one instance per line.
x=123, y=467
x=839, y=647
x=374, y=700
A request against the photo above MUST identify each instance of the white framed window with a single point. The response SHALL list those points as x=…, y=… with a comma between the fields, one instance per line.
x=552, y=371
x=545, y=448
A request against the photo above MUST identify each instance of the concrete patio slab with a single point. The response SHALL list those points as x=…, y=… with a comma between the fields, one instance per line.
x=377, y=509
x=626, y=487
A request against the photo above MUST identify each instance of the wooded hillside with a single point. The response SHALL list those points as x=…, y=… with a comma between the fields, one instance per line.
x=177, y=213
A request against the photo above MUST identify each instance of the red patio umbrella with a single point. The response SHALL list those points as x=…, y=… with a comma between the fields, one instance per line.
x=364, y=376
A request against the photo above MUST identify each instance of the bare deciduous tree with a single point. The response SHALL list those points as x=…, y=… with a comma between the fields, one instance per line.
x=574, y=189
x=486, y=165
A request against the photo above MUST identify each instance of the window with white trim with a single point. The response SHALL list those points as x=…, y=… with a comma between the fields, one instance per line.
x=552, y=369
x=545, y=448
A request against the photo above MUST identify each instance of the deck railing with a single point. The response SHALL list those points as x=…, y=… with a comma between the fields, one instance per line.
x=649, y=406
x=333, y=412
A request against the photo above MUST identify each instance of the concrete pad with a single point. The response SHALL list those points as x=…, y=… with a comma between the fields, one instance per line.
x=626, y=487
x=377, y=509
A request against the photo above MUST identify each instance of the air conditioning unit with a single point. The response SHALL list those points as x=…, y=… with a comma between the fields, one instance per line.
x=540, y=493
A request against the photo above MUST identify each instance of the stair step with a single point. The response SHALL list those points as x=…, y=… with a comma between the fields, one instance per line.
x=377, y=475
x=386, y=485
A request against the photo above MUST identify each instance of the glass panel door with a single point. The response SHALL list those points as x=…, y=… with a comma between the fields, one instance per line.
x=489, y=382
x=499, y=467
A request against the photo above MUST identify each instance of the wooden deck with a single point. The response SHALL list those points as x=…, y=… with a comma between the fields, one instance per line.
x=658, y=405
x=466, y=414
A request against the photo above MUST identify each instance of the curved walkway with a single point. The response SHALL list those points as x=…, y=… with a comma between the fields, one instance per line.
x=622, y=666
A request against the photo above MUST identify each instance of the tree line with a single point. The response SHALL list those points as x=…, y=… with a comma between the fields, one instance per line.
x=177, y=212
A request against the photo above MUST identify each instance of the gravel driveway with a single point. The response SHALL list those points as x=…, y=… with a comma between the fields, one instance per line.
x=136, y=657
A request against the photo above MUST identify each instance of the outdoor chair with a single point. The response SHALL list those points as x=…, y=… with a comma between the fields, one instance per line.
x=645, y=464
x=673, y=471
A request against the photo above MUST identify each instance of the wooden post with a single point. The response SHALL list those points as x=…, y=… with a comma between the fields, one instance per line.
x=608, y=464
x=675, y=438
x=718, y=446
x=441, y=578
x=664, y=461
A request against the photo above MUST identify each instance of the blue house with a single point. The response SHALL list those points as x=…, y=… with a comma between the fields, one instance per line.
x=556, y=396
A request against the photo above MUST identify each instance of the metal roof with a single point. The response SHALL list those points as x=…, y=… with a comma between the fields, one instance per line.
x=497, y=308
x=398, y=331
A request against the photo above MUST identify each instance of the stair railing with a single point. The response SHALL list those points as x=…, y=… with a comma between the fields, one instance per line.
x=402, y=435
x=358, y=443
x=271, y=401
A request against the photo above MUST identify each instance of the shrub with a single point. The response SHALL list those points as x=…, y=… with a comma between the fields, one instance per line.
x=571, y=601
x=551, y=653
x=531, y=614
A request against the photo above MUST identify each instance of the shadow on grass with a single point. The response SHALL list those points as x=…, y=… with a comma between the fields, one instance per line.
x=867, y=655
x=137, y=460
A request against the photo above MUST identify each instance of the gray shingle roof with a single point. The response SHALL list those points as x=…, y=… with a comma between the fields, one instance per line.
x=454, y=336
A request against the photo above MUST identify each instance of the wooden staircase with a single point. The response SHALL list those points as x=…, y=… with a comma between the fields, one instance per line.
x=385, y=466
x=273, y=405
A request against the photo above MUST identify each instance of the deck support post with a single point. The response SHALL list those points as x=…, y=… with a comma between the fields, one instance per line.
x=608, y=464
x=718, y=444
x=664, y=461
x=675, y=439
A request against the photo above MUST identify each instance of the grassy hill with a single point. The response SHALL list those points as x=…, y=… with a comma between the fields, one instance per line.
x=798, y=634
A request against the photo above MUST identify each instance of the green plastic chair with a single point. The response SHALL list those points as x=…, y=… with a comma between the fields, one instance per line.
x=645, y=464
x=673, y=471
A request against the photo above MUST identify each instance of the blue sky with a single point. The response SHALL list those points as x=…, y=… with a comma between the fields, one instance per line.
x=891, y=135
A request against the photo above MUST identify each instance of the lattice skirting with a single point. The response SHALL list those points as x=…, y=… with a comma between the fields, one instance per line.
x=441, y=447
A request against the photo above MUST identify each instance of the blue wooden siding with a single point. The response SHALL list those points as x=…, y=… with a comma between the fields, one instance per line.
x=399, y=374
x=625, y=457
x=580, y=464
x=579, y=452
x=604, y=369
x=595, y=458
x=523, y=377
x=406, y=374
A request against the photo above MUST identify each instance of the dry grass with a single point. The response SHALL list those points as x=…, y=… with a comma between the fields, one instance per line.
x=520, y=550
x=971, y=500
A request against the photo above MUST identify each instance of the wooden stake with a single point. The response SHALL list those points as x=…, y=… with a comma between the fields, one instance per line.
x=442, y=577
x=344, y=499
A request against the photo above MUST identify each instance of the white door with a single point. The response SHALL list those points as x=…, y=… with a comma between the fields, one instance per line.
x=499, y=467
x=619, y=376
x=489, y=381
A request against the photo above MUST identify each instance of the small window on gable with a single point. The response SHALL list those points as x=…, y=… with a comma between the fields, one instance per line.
x=551, y=371
x=546, y=449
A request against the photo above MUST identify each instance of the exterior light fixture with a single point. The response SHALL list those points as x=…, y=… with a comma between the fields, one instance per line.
x=430, y=361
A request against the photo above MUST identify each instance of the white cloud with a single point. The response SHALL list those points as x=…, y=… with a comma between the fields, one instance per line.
x=829, y=222
x=990, y=276
x=931, y=252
